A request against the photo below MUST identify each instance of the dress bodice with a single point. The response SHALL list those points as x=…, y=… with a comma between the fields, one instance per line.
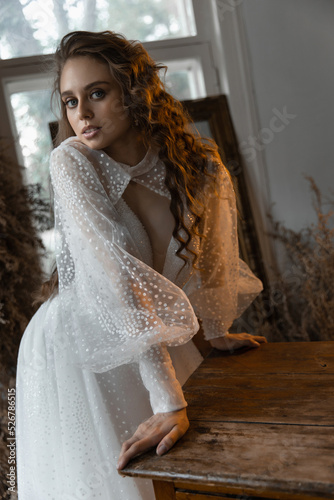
x=173, y=268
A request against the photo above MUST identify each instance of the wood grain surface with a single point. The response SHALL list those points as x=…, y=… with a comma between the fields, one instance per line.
x=262, y=422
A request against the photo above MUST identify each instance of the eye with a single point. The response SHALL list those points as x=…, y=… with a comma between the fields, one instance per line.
x=98, y=94
x=71, y=103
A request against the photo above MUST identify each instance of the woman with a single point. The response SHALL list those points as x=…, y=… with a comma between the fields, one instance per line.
x=145, y=224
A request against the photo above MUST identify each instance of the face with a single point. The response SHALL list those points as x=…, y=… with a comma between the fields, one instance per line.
x=94, y=106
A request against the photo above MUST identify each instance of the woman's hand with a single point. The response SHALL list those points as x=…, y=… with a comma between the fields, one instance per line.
x=162, y=429
x=233, y=341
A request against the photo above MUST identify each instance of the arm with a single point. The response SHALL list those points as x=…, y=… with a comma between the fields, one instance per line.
x=158, y=376
x=111, y=301
x=169, y=422
x=225, y=284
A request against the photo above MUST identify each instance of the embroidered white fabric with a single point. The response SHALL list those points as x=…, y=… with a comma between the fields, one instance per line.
x=93, y=358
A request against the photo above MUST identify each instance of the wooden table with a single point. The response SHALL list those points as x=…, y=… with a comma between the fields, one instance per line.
x=261, y=426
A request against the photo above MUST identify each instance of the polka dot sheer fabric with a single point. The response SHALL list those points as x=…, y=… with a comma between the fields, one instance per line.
x=116, y=305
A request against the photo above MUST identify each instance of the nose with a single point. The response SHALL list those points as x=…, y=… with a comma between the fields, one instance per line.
x=84, y=110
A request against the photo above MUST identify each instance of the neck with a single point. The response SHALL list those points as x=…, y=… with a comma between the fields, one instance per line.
x=129, y=153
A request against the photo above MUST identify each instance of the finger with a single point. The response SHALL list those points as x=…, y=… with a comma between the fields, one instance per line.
x=255, y=344
x=125, y=447
x=248, y=342
x=140, y=433
x=263, y=340
x=127, y=444
x=259, y=338
x=168, y=441
x=132, y=453
x=137, y=448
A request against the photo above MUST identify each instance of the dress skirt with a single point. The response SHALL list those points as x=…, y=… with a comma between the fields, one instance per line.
x=71, y=422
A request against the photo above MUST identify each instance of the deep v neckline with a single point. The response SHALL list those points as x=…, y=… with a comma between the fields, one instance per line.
x=135, y=216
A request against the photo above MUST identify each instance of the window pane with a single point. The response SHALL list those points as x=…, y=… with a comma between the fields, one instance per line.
x=32, y=115
x=31, y=27
x=184, y=79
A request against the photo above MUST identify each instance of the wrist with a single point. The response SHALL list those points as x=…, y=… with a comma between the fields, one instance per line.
x=214, y=328
x=219, y=341
x=177, y=411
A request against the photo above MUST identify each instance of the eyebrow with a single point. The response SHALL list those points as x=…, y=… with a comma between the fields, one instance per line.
x=87, y=87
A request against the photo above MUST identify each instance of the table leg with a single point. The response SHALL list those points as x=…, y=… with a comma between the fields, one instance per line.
x=164, y=490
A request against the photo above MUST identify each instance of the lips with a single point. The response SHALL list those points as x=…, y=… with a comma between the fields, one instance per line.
x=90, y=131
x=89, y=128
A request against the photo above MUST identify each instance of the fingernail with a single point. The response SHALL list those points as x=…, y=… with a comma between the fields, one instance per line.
x=162, y=449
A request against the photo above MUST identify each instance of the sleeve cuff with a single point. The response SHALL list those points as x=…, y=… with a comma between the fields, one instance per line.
x=214, y=328
x=159, y=378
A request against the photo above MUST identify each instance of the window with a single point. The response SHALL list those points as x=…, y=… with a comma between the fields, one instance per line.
x=32, y=27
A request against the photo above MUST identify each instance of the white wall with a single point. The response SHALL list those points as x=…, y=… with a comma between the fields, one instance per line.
x=290, y=45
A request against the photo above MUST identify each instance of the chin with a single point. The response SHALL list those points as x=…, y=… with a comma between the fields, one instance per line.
x=91, y=143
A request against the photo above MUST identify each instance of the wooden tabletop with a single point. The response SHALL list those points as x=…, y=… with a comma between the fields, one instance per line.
x=261, y=418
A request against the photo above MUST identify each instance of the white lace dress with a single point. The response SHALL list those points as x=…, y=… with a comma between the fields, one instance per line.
x=95, y=360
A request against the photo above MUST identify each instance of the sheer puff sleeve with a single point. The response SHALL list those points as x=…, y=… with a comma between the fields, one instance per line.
x=224, y=286
x=114, y=307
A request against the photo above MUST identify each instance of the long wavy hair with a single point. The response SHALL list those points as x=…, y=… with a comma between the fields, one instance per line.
x=162, y=121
